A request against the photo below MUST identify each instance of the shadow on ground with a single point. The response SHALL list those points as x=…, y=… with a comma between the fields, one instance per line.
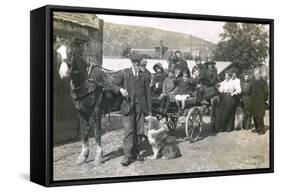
x=181, y=136
x=113, y=154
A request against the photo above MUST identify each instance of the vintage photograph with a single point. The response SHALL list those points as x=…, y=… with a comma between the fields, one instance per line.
x=136, y=96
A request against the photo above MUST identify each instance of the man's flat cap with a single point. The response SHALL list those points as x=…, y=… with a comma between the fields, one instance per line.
x=135, y=57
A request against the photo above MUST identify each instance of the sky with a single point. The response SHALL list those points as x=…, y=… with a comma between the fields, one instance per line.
x=207, y=30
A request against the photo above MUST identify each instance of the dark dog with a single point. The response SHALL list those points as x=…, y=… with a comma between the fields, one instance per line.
x=163, y=145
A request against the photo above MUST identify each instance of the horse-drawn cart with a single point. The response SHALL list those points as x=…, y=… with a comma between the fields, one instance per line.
x=193, y=118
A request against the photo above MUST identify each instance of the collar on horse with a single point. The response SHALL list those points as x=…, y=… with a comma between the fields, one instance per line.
x=87, y=77
x=89, y=69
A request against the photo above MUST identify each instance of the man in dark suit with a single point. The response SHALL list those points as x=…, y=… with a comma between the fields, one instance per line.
x=246, y=99
x=259, y=95
x=136, y=105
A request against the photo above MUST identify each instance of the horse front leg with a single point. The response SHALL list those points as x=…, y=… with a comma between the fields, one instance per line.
x=85, y=131
x=95, y=120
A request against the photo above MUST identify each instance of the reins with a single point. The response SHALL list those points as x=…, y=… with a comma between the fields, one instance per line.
x=87, y=76
x=89, y=69
x=109, y=71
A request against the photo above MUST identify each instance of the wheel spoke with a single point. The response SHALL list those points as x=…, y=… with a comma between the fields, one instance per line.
x=197, y=121
x=194, y=134
x=194, y=116
x=193, y=124
x=191, y=132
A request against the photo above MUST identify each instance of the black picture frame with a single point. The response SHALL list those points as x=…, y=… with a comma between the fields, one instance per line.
x=41, y=95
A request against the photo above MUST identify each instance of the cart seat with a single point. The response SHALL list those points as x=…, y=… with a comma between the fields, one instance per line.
x=190, y=101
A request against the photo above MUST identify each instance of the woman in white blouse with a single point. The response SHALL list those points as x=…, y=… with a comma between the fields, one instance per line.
x=229, y=89
x=231, y=85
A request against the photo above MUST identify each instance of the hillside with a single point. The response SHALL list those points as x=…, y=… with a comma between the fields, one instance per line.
x=117, y=36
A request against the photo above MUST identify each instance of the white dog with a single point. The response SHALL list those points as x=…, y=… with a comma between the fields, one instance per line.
x=239, y=116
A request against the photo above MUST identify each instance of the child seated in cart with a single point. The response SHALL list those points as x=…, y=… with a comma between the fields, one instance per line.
x=157, y=80
x=185, y=89
x=167, y=90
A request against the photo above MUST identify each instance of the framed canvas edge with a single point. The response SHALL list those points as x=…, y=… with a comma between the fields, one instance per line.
x=49, y=148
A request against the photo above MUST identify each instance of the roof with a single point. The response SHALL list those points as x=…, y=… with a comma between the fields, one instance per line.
x=84, y=19
x=223, y=66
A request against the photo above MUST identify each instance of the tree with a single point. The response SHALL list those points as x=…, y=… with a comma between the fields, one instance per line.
x=245, y=44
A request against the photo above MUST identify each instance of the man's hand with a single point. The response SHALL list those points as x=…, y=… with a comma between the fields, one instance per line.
x=157, y=85
x=123, y=92
x=149, y=115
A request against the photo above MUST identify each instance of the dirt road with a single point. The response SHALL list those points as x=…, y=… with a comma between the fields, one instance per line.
x=213, y=152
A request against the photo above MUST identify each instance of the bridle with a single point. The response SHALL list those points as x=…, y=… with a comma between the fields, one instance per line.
x=90, y=66
x=87, y=76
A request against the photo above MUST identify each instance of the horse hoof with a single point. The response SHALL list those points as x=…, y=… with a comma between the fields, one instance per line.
x=99, y=158
x=152, y=157
x=82, y=157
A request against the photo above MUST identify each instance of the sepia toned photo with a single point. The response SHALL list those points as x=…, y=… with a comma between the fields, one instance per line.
x=144, y=96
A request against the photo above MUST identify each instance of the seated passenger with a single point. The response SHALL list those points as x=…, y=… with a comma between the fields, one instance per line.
x=184, y=90
x=211, y=76
x=180, y=63
x=158, y=79
x=167, y=90
x=198, y=85
x=200, y=67
x=210, y=81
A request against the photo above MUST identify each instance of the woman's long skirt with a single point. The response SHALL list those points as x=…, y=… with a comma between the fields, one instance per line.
x=226, y=113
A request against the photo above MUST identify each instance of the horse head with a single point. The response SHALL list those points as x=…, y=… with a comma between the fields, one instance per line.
x=64, y=50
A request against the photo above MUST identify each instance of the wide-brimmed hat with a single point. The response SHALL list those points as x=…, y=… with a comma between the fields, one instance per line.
x=158, y=65
x=213, y=63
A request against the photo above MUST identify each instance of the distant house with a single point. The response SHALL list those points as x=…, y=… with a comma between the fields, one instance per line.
x=198, y=48
x=147, y=53
x=159, y=52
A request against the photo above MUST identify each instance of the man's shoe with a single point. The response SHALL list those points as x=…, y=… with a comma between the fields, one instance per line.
x=261, y=132
x=126, y=161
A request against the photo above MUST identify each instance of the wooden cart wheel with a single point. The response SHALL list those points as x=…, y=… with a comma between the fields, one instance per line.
x=193, y=124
